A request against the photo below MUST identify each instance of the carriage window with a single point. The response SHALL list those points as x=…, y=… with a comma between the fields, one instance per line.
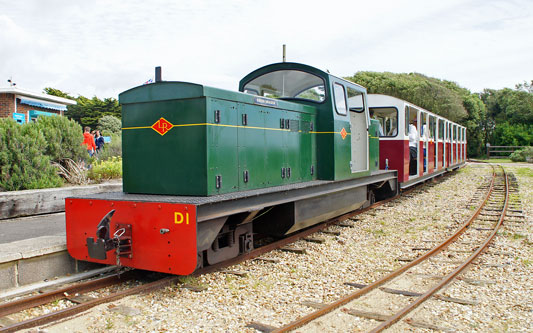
x=406, y=122
x=410, y=115
x=423, y=125
x=287, y=84
x=355, y=100
x=340, y=98
x=441, y=129
x=388, y=120
x=432, y=123
x=454, y=130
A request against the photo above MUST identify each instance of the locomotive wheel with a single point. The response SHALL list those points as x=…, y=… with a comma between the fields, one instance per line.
x=371, y=197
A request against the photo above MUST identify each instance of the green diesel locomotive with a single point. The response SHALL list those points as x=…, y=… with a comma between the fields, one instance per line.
x=206, y=169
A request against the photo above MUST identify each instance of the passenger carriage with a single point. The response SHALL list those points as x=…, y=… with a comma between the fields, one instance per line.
x=441, y=142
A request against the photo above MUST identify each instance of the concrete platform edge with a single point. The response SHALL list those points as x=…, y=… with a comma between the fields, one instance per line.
x=51, y=200
x=38, y=259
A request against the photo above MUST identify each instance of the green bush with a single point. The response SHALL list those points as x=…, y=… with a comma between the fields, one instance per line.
x=522, y=155
x=109, y=124
x=63, y=137
x=110, y=169
x=111, y=149
x=22, y=162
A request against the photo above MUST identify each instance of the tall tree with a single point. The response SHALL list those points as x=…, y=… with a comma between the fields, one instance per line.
x=444, y=98
x=87, y=111
x=510, y=114
x=57, y=92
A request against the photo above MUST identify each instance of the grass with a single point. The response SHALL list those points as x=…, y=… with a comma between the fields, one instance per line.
x=110, y=169
x=379, y=232
x=525, y=172
x=191, y=281
x=109, y=324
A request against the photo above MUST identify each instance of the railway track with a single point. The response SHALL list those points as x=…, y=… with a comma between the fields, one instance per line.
x=79, y=303
x=467, y=243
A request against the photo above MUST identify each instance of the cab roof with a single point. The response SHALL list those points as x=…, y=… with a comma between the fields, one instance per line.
x=291, y=66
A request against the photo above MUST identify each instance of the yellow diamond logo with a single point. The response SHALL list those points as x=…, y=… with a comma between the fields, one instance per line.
x=162, y=126
x=343, y=133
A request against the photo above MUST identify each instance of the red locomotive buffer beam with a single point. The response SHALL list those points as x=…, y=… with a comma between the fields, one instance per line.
x=162, y=235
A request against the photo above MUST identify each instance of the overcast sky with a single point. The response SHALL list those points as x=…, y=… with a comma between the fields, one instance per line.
x=103, y=47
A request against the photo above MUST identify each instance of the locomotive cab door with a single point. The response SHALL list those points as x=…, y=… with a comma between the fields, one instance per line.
x=359, y=124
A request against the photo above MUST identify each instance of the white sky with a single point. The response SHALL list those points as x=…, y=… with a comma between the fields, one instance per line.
x=104, y=47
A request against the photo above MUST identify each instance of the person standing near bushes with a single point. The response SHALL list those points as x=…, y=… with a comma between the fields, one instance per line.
x=99, y=141
x=88, y=140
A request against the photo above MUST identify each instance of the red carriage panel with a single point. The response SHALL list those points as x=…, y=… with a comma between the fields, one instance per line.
x=440, y=156
x=421, y=159
x=448, y=155
x=431, y=156
x=397, y=153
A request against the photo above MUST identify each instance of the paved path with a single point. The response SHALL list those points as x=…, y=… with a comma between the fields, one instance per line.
x=17, y=229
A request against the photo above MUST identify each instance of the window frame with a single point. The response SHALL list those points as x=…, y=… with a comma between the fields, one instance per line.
x=397, y=119
x=324, y=83
x=335, y=84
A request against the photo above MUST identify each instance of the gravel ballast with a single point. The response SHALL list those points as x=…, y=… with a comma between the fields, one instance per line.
x=273, y=293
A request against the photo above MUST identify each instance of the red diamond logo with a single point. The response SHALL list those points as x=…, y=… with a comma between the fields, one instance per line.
x=162, y=126
x=343, y=133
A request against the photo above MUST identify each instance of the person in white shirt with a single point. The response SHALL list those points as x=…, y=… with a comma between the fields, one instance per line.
x=380, y=127
x=413, y=147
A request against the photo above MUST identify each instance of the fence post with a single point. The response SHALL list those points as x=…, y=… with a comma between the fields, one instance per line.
x=488, y=150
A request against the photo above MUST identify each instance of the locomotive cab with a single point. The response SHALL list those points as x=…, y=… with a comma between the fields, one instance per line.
x=341, y=124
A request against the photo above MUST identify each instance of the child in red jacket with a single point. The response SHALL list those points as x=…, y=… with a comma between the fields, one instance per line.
x=88, y=140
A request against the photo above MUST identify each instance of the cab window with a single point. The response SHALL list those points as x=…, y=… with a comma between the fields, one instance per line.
x=287, y=84
x=340, y=99
x=355, y=100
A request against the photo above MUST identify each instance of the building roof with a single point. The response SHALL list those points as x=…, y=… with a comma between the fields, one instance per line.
x=39, y=96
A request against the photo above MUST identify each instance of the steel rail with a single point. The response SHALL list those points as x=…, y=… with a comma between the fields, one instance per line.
x=440, y=247
x=62, y=293
x=448, y=278
x=71, y=311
